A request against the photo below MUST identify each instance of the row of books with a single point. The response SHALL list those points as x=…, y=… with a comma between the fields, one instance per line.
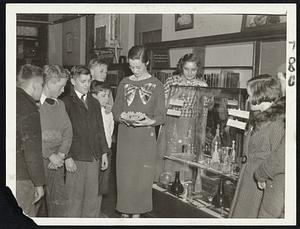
x=225, y=79
x=162, y=76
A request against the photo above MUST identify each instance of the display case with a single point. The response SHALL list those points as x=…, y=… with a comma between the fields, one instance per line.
x=195, y=116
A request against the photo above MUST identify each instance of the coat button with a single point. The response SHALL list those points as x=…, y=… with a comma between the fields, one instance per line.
x=151, y=134
x=244, y=159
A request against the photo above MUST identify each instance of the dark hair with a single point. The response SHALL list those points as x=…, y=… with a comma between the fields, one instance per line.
x=139, y=52
x=190, y=57
x=96, y=61
x=264, y=88
x=78, y=70
x=28, y=72
x=97, y=86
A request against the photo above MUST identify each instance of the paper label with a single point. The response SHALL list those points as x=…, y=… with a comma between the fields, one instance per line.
x=232, y=102
x=236, y=124
x=173, y=112
x=176, y=102
x=239, y=113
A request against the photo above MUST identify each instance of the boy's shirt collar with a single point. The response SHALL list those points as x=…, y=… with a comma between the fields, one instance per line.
x=80, y=94
x=44, y=97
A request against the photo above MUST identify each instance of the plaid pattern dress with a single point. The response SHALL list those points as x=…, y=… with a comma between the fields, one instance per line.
x=188, y=94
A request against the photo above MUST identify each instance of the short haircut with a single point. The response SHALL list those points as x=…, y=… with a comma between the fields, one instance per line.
x=97, y=86
x=28, y=72
x=264, y=88
x=54, y=72
x=78, y=70
x=96, y=61
x=139, y=52
x=189, y=57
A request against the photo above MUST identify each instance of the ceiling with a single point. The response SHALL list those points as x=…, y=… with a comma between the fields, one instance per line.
x=36, y=19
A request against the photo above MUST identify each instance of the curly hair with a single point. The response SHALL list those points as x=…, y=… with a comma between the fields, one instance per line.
x=264, y=88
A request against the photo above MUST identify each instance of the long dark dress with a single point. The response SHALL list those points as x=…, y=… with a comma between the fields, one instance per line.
x=136, y=146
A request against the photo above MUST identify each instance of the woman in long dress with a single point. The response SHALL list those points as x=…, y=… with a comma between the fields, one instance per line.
x=136, y=145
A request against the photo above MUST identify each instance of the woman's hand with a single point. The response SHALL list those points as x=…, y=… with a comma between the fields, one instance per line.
x=104, y=163
x=144, y=122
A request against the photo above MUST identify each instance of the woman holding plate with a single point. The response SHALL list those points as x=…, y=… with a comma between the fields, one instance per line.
x=139, y=107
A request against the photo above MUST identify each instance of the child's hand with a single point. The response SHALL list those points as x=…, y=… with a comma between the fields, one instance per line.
x=56, y=160
x=261, y=185
x=104, y=164
x=70, y=165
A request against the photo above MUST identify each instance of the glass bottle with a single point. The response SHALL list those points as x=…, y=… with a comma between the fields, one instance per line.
x=233, y=153
x=219, y=199
x=216, y=142
x=198, y=182
x=215, y=155
x=176, y=187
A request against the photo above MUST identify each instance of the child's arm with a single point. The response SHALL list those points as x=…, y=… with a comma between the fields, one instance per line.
x=67, y=134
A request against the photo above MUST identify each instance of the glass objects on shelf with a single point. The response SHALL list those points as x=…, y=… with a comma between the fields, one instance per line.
x=165, y=178
x=198, y=182
x=177, y=187
x=216, y=142
x=220, y=200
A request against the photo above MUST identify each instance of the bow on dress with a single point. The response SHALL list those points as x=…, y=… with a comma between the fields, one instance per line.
x=145, y=92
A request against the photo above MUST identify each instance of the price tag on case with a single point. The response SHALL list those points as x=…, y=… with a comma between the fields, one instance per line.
x=173, y=112
x=239, y=113
x=176, y=102
x=236, y=124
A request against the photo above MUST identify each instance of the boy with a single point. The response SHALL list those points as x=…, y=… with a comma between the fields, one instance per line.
x=56, y=139
x=101, y=92
x=29, y=161
x=88, y=147
x=98, y=69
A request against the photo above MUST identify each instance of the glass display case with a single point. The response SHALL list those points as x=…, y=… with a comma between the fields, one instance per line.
x=200, y=143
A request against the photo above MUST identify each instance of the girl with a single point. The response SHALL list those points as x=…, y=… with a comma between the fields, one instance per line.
x=263, y=138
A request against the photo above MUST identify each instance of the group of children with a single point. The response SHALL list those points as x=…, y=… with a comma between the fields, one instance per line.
x=74, y=134
x=63, y=145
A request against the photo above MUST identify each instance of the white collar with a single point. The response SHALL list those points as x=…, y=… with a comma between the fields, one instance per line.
x=44, y=97
x=79, y=94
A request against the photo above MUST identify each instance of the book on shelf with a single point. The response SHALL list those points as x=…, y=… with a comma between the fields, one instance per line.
x=225, y=79
x=162, y=76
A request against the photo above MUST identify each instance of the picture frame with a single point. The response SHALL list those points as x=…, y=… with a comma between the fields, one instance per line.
x=69, y=42
x=270, y=22
x=184, y=21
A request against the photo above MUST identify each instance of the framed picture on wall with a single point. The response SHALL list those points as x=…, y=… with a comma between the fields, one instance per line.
x=259, y=21
x=184, y=21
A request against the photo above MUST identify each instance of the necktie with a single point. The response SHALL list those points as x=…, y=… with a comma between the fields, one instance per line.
x=84, y=101
x=50, y=101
